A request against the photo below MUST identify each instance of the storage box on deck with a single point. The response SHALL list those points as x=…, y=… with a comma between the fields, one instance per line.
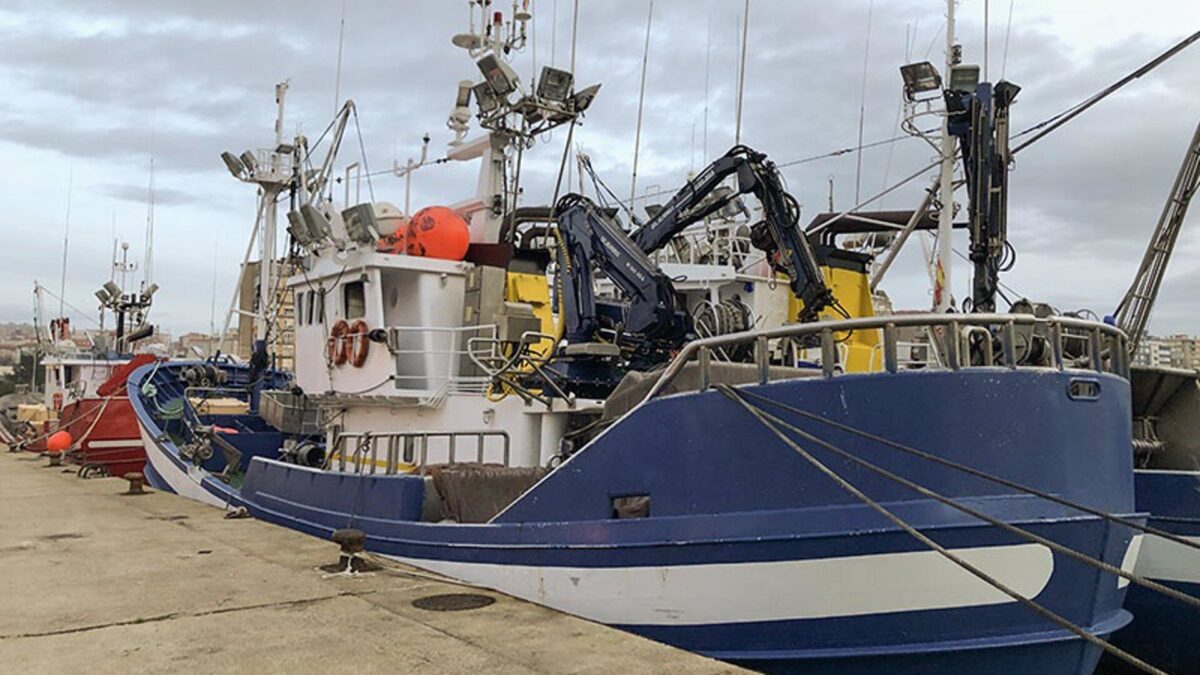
x=219, y=406
x=34, y=413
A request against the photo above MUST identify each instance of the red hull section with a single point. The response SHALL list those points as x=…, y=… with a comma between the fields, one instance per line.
x=104, y=430
x=105, y=433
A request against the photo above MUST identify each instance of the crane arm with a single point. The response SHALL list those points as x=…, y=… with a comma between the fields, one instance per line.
x=778, y=233
x=588, y=237
x=1133, y=313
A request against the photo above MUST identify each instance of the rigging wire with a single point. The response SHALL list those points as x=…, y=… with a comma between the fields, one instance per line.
x=991, y=520
x=741, y=80
x=862, y=104
x=363, y=151
x=637, y=134
x=1051, y=123
x=64, y=303
x=977, y=473
x=1007, y=33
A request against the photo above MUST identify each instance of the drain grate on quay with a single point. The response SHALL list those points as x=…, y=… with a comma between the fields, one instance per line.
x=453, y=602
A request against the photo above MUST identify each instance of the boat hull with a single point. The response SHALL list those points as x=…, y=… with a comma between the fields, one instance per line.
x=106, y=435
x=1163, y=631
x=755, y=557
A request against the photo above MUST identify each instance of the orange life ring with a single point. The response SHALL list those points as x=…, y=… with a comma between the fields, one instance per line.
x=57, y=400
x=338, y=347
x=358, y=343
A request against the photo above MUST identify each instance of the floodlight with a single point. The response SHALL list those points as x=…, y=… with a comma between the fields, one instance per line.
x=964, y=79
x=103, y=296
x=235, y=165
x=485, y=98
x=298, y=229
x=250, y=162
x=584, y=98
x=466, y=41
x=150, y=290
x=919, y=78
x=522, y=13
x=1005, y=92
x=464, y=94
x=555, y=85
x=113, y=289
x=361, y=224
x=499, y=75
x=318, y=225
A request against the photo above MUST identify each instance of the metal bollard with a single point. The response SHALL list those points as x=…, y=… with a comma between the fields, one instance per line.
x=137, y=483
x=352, y=543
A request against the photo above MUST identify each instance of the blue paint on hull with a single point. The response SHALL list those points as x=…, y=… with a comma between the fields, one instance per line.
x=1164, y=631
x=724, y=490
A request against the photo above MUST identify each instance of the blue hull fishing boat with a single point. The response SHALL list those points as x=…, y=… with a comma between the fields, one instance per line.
x=691, y=521
x=686, y=442
x=1167, y=488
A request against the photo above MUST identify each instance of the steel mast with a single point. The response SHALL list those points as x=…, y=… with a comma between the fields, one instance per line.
x=945, y=251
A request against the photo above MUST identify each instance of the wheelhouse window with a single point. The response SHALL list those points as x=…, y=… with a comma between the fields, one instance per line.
x=354, y=298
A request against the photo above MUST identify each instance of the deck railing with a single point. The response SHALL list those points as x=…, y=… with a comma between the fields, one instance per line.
x=957, y=341
x=391, y=453
x=432, y=359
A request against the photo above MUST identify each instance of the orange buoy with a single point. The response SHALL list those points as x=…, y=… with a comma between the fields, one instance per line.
x=438, y=232
x=59, y=441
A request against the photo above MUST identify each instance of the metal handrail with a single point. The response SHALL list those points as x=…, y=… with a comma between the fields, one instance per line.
x=1105, y=342
x=366, y=449
x=450, y=345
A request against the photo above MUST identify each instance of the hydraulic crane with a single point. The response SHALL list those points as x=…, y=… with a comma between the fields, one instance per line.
x=1133, y=313
x=979, y=119
x=649, y=323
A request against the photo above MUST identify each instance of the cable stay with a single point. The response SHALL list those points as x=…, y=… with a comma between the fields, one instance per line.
x=846, y=485
x=992, y=520
x=1056, y=121
x=1147, y=529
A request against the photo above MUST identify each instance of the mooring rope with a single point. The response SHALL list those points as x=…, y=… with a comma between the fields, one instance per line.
x=980, y=474
x=1008, y=527
x=1038, y=609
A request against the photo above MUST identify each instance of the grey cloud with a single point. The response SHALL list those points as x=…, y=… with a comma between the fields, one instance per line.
x=201, y=75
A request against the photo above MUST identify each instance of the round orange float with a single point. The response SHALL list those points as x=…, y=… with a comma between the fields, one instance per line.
x=59, y=441
x=438, y=232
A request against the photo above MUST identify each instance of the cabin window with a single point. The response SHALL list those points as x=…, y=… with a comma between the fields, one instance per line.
x=320, y=305
x=355, y=300
x=300, y=313
x=631, y=506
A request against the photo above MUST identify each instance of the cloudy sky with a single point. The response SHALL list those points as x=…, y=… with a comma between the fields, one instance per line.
x=94, y=88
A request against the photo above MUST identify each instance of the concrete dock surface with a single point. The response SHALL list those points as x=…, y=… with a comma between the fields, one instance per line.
x=95, y=581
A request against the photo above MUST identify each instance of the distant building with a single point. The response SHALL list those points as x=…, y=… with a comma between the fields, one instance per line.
x=1174, y=351
x=193, y=345
x=1185, y=351
x=1153, y=352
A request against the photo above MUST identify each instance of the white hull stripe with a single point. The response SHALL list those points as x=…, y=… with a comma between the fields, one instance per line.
x=1130, y=561
x=116, y=443
x=184, y=484
x=1166, y=560
x=766, y=591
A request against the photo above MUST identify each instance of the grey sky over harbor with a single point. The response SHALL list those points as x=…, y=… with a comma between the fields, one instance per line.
x=94, y=87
